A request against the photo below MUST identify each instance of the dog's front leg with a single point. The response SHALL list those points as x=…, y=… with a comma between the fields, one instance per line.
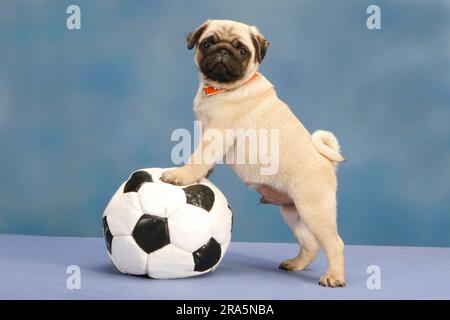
x=212, y=148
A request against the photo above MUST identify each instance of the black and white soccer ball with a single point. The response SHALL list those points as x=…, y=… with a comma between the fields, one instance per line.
x=164, y=231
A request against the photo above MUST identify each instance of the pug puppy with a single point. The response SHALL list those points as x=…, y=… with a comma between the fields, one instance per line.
x=232, y=94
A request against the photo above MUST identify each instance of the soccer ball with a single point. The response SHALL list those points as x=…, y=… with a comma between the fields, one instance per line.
x=164, y=231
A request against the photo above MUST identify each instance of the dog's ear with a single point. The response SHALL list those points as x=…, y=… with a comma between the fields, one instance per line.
x=260, y=43
x=194, y=36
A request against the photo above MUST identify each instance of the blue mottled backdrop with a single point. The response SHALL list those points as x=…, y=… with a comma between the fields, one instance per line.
x=80, y=109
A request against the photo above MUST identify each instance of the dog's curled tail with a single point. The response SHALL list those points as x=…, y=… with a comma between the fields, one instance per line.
x=327, y=145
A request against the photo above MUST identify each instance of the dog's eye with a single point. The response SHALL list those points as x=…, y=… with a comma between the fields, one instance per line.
x=243, y=51
x=206, y=44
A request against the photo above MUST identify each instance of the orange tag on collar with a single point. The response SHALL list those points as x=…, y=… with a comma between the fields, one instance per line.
x=211, y=90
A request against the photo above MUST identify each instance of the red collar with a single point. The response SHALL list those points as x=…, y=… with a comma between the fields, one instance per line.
x=211, y=90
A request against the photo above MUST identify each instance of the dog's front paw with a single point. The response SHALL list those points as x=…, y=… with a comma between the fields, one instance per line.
x=178, y=176
x=332, y=281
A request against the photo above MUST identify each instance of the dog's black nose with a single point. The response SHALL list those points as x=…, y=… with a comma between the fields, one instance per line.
x=223, y=52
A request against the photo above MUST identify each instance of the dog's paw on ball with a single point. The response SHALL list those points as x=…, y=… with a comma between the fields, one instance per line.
x=178, y=177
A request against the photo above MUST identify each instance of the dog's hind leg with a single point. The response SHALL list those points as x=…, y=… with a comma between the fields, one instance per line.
x=317, y=209
x=309, y=246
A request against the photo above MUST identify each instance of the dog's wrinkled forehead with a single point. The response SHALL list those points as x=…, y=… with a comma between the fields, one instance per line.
x=228, y=31
x=233, y=32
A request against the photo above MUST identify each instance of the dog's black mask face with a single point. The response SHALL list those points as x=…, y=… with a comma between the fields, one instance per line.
x=222, y=60
x=227, y=51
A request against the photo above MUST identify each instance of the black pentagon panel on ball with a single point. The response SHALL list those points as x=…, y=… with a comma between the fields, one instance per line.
x=151, y=233
x=136, y=180
x=107, y=234
x=207, y=256
x=200, y=195
x=144, y=276
x=232, y=217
